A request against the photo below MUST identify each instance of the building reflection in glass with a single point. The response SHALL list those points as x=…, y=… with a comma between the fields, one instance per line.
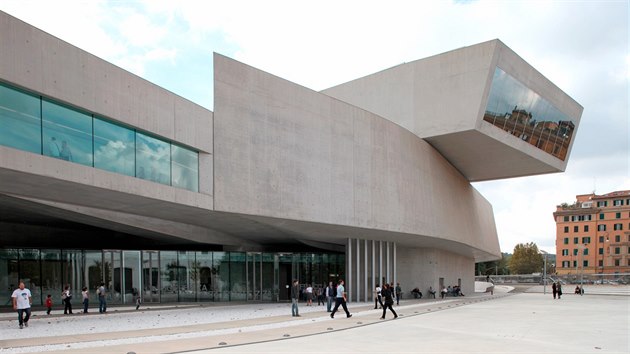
x=523, y=113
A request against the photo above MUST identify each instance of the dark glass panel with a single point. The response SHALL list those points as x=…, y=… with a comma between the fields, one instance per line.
x=169, y=276
x=206, y=276
x=238, y=284
x=30, y=273
x=52, y=283
x=221, y=261
x=188, y=276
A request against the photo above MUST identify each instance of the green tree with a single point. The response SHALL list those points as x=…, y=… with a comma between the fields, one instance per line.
x=498, y=267
x=526, y=259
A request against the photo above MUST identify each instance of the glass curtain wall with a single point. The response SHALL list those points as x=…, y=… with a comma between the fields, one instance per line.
x=114, y=148
x=169, y=276
x=205, y=278
x=221, y=261
x=20, y=120
x=93, y=273
x=131, y=284
x=163, y=276
x=30, y=273
x=151, y=276
x=34, y=124
x=67, y=133
x=52, y=278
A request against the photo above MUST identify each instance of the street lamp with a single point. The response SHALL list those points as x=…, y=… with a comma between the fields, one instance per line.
x=581, y=247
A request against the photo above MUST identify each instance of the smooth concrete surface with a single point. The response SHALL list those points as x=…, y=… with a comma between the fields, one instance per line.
x=284, y=151
x=478, y=323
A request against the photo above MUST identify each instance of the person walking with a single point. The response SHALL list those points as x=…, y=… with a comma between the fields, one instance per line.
x=398, y=293
x=389, y=301
x=66, y=297
x=330, y=295
x=86, y=299
x=340, y=299
x=559, y=289
x=320, y=295
x=378, y=297
x=22, y=302
x=102, y=300
x=48, y=304
x=554, y=290
x=295, y=297
x=309, y=295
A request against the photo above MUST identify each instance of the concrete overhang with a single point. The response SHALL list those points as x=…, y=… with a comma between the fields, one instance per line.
x=443, y=99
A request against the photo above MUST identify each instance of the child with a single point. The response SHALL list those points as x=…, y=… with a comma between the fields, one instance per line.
x=48, y=304
x=86, y=299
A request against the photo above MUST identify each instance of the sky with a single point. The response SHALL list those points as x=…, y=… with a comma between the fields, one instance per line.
x=581, y=46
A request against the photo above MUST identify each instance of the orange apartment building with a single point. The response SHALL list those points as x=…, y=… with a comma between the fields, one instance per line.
x=593, y=234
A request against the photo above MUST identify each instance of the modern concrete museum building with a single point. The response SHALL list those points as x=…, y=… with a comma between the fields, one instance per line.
x=106, y=176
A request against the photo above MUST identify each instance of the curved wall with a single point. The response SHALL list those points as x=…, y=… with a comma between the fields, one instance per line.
x=287, y=152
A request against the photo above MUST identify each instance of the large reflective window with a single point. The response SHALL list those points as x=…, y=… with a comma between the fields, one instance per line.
x=67, y=133
x=185, y=168
x=205, y=278
x=238, y=284
x=20, y=120
x=30, y=273
x=169, y=276
x=9, y=277
x=114, y=148
x=153, y=159
x=51, y=274
x=188, y=276
x=221, y=261
x=523, y=113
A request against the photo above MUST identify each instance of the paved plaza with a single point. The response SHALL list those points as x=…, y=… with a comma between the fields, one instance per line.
x=480, y=323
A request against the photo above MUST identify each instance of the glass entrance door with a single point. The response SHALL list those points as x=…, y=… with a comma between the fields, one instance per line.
x=150, y=276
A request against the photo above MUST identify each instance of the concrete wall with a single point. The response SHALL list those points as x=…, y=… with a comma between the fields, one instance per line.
x=433, y=96
x=423, y=267
x=288, y=152
x=38, y=62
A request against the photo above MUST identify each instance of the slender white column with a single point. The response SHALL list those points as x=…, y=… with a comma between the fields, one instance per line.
x=394, y=264
x=373, y=264
x=365, y=270
x=349, y=273
x=389, y=280
x=380, y=261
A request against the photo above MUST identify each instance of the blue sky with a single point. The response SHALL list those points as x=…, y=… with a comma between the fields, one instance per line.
x=581, y=46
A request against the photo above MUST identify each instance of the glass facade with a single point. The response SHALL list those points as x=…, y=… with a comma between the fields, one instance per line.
x=163, y=276
x=34, y=124
x=67, y=133
x=20, y=120
x=521, y=112
x=114, y=148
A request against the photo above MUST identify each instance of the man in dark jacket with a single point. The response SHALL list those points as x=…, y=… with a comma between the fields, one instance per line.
x=295, y=296
x=387, y=294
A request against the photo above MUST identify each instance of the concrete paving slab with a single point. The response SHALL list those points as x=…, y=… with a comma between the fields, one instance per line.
x=500, y=323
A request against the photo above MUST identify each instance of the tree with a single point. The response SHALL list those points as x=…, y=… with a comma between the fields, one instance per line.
x=526, y=259
x=498, y=267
